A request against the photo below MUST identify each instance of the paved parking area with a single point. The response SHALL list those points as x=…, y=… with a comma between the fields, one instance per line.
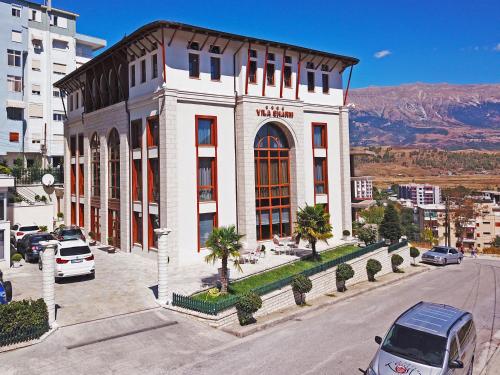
x=123, y=284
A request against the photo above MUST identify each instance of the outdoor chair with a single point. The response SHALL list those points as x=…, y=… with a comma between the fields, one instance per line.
x=259, y=252
x=279, y=246
x=294, y=242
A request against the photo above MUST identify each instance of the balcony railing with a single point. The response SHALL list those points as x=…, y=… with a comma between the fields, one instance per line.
x=29, y=176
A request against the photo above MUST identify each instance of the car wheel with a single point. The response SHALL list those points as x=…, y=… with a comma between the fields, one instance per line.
x=459, y=260
x=445, y=262
x=40, y=266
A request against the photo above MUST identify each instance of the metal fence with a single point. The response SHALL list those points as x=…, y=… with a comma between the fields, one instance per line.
x=23, y=334
x=396, y=246
x=28, y=176
x=213, y=308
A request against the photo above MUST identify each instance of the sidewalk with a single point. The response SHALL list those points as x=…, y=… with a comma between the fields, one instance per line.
x=316, y=304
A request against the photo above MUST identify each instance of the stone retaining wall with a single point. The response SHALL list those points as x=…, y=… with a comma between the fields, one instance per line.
x=323, y=283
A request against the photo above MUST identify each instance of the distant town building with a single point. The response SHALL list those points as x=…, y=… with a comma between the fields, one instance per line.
x=362, y=187
x=40, y=45
x=420, y=193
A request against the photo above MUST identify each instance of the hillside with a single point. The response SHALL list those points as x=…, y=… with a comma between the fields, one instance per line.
x=427, y=115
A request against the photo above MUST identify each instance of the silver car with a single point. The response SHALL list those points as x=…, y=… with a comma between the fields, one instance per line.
x=442, y=255
x=427, y=339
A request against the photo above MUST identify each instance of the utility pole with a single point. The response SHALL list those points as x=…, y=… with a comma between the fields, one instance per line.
x=447, y=222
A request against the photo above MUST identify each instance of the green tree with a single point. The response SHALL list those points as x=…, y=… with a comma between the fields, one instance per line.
x=313, y=225
x=224, y=243
x=390, y=228
x=368, y=235
x=496, y=243
x=373, y=215
x=428, y=236
x=408, y=228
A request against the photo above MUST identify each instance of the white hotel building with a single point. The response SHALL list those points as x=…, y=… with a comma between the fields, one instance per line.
x=189, y=128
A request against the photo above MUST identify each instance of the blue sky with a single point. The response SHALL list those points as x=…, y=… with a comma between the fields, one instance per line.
x=397, y=42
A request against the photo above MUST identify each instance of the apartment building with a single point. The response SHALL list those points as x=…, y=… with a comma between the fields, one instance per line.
x=362, y=187
x=190, y=128
x=41, y=46
x=420, y=194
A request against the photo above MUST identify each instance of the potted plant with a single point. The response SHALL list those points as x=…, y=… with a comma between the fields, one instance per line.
x=414, y=253
x=345, y=234
x=92, y=237
x=300, y=286
x=246, y=306
x=396, y=261
x=43, y=198
x=111, y=247
x=16, y=260
x=37, y=198
x=373, y=266
x=343, y=273
x=43, y=228
x=60, y=215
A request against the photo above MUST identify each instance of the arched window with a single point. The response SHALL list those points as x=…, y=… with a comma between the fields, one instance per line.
x=95, y=155
x=272, y=182
x=114, y=164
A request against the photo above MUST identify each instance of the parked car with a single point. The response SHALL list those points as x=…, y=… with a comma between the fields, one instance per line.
x=5, y=291
x=442, y=255
x=69, y=233
x=428, y=338
x=72, y=258
x=29, y=246
x=17, y=231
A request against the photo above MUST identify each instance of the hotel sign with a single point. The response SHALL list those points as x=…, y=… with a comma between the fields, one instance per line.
x=274, y=111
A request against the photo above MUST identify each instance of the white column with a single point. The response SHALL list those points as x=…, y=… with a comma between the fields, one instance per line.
x=162, y=234
x=48, y=278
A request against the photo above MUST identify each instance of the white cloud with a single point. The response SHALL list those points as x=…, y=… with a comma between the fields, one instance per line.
x=382, y=54
x=497, y=47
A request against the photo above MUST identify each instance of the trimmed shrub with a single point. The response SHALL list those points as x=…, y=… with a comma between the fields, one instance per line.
x=246, y=306
x=60, y=215
x=22, y=321
x=396, y=261
x=16, y=257
x=43, y=228
x=373, y=266
x=343, y=273
x=414, y=253
x=300, y=286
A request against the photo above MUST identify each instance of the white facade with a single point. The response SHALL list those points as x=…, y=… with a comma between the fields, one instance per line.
x=420, y=194
x=191, y=176
x=363, y=187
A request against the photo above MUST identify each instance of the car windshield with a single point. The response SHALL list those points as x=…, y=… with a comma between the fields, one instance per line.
x=440, y=250
x=77, y=250
x=71, y=232
x=29, y=228
x=417, y=346
x=43, y=237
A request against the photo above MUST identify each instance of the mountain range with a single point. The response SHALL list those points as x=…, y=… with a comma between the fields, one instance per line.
x=427, y=115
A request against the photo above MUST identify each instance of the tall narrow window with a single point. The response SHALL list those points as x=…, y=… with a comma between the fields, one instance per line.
x=310, y=81
x=215, y=68
x=320, y=176
x=80, y=145
x=206, y=179
x=137, y=180
x=73, y=179
x=270, y=70
x=137, y=228
x=288, y=71
x=206, y=134
x=153, y=131
x=95, y=222
x=114, y=164
x=153, y=181
x=326, y=84
x=143, y=71
x=136, y=141
x=132, y=75
x=154, y=66
x=114, y=227
x=95, y=151
x=194, y=65
x=206, y=226
x=81, y=188
x=72, y=145
x=73, y=213
x=252, y=75
x=319, y=136
x=154, y=223
x=13, y=57
x=81, y=215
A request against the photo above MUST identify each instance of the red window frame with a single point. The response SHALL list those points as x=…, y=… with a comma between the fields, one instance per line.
x=324, y=139
x=153, y=175
x=81, y=215
x=137, y=180
x=213, y=130
x=136, y=133
x=153, y=136
x=213, y=187
x=72, y=145
x=73, y=213
x=72, y=182
x=114, y=227
x=81, y=180
x=137, y=234
x=114, y=164
x=95, y=163
x=324, y=181
x=95, y=220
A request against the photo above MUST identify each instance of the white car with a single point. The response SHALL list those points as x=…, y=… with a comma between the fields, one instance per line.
x=72, y=258
x=17, y=231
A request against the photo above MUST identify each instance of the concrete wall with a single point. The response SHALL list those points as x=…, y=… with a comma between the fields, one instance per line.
x=323, y=283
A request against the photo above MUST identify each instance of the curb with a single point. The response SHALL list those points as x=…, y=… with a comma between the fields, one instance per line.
x=42, y=338
x=296, y=314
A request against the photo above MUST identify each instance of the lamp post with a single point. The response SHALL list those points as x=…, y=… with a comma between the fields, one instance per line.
x=48, y=279
x=162, y=234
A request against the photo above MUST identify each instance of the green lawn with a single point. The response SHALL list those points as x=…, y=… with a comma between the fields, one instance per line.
x=252, y=282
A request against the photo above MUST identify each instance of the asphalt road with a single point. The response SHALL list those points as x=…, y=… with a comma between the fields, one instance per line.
x=335, y=340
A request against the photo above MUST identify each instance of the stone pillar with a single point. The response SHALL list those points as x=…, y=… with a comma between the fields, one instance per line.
x=48, y=278
x=162, y=234
x=345, y=169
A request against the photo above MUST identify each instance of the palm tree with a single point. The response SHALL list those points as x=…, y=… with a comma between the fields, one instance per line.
x=313, y=225
x=224, y=243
